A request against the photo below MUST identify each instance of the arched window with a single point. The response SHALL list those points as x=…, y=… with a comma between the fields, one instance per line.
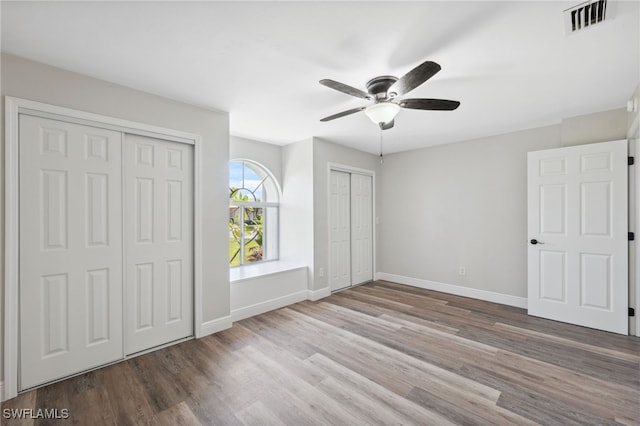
x=253, y=213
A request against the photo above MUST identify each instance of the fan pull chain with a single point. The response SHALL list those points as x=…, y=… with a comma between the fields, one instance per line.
x=381, y=159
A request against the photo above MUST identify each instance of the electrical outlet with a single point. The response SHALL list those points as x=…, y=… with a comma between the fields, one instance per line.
x=321, y=272
x=462, y=271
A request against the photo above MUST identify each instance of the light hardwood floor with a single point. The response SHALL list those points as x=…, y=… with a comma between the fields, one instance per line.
x=381, y=353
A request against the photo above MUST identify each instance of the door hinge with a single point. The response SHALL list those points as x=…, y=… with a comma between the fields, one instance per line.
x=631, y=236
x=631, y=161
x=632, y=312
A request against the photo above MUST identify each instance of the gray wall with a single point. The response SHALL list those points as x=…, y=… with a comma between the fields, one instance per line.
x=465, y=204
x=591, y=128
x=30, y=80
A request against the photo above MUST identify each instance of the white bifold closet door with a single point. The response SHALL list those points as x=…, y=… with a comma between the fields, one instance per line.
x=70, y=249
x=158, y=242
x=106, y=245
x=350, y=229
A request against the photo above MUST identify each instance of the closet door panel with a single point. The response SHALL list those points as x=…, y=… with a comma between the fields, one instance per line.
x=70, y=249
x=158, y=242
x=339, y=230
x=361, y=229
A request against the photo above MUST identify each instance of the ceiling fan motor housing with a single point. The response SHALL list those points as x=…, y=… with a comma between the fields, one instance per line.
x=378, y=86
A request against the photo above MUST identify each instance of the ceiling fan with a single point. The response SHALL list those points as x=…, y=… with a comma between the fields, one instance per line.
x=386, y=90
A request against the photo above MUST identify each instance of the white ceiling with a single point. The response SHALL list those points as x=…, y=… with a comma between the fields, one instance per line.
x=510, y=64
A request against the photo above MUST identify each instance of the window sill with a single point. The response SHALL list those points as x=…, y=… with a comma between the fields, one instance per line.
x=247, y=272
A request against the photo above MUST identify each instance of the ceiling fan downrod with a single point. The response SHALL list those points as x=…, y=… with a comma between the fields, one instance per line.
x=381, y=129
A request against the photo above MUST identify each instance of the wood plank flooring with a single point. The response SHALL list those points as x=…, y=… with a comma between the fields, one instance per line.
x=381, y=353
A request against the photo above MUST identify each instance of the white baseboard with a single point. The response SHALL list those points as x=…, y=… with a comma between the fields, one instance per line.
x=488, y=296
x=214, y=326
x=314, y=295
x=269, y=305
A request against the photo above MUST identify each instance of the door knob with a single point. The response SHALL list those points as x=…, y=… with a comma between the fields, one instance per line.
x=534, y=242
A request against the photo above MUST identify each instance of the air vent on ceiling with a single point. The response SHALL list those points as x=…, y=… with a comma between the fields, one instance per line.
x=584, y=15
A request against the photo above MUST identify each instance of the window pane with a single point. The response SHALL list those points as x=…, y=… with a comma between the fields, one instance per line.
x=250, y=179
x=235, y=236
x=253, y=182
x=253, y=234
x=236, y=174
x=242, y=194
x=270, y=239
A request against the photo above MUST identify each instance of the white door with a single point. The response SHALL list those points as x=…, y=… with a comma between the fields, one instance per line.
x=158, y=242
x=361, y=229
x=70, y=249
x=339, y=230
x=577, y=259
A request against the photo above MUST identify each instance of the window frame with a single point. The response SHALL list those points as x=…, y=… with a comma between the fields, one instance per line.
x=264, y=205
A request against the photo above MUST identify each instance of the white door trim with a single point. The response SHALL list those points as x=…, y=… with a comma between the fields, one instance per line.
x=633, y=136
x=14, y=107
x=349, y=169
x=636, y=279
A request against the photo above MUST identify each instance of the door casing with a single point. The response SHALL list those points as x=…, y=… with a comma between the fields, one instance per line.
x=633, y=137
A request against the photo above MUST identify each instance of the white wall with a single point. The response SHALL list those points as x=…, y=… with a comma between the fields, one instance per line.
x=30, y=80
x=265, y=286
x=633, y=115
x=464, y=204
x=296, y=205
x=304, y=166
x=267, y=291
x=324, y=153
x=270, y=156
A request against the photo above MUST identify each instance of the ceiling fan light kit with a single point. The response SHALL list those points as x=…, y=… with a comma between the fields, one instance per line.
x=382, y=112
x=385, y=92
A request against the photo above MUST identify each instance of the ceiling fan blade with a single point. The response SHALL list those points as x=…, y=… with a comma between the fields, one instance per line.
x=341, y=87
x=414, y=78
x=388, y=125
x=342, y=114
x=429, y=104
